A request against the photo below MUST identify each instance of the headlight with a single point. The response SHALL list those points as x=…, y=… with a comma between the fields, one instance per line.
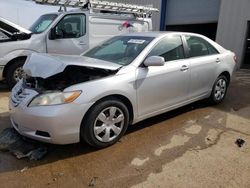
x=55, y=98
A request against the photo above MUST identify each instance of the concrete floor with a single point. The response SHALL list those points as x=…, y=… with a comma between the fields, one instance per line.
x=189, y=147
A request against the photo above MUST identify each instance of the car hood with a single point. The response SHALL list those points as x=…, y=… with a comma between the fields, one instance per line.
x=11, y=29
x=46, y=65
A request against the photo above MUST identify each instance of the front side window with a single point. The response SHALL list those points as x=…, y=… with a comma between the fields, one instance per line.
x=121, y=49
x=170, y=48
x=199, y=47
x=42, y=23
x=71, y=26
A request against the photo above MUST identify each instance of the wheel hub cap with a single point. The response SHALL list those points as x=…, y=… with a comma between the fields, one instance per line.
x=109, y=124
x=18, y=74
x=220, y=89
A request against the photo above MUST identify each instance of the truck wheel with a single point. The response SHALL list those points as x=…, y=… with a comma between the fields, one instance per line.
x=219, y=90
x=105, y=123
x=15, y=73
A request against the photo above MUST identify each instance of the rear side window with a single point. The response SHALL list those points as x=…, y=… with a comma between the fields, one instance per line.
x=199, y=47
x=170, y=48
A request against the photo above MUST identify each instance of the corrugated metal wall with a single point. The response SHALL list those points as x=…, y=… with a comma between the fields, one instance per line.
x=232, y=27
x=155, y=3
x=192, y=11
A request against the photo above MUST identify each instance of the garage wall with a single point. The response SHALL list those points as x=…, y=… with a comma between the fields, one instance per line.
x=192, y=11
x=232, y=26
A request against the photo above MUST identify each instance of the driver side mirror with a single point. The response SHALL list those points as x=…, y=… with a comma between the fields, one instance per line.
x=154, y=61
x=52, y=35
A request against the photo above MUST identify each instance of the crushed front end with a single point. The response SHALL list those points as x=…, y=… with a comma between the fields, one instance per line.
x=57, y=124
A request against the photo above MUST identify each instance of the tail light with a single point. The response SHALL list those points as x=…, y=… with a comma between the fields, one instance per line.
x=235, y=58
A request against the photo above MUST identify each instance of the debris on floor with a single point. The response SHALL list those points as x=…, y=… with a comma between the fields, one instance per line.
x=24, y=169
x=93, y=182
x=239, y=142
x=21, y=147
x=8, y=137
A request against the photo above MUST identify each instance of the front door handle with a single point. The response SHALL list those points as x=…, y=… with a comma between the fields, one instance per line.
x=218, y=60
x=184, y=68
x=81, y=43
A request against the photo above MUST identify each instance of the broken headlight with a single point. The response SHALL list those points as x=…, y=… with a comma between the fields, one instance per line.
x=55, y=98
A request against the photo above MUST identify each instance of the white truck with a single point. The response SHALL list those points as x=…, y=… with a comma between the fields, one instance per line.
x=67, y=32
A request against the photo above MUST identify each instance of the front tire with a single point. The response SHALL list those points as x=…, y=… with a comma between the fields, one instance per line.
x=219, y=90
x=105, y=123
x=14, y=73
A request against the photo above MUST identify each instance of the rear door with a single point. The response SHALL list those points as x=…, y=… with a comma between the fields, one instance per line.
x=204, y=59
x=71, y=36
x=161, y=87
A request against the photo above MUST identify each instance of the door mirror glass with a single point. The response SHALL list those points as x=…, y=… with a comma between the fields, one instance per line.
x=154, y=61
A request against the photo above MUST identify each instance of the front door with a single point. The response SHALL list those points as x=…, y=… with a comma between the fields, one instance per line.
x=161, y=87
x=70, y=36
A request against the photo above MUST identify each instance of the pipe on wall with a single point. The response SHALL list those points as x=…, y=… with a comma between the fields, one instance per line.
x=163, y=15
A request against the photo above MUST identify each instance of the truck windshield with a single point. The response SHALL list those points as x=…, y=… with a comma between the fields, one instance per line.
x=121, y=49
x=3, y=36
x=42, y=23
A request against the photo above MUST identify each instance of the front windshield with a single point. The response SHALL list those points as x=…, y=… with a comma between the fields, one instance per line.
x=42, y=23
x=121, y=49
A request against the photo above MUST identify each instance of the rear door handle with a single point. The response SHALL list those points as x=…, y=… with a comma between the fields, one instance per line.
x=184, y=68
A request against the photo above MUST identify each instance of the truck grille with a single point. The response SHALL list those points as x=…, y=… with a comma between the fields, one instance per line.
x=18, y=96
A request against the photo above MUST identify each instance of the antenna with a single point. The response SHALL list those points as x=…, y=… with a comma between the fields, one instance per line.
x=102, y=6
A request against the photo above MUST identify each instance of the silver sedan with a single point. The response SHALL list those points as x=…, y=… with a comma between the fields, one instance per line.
x=94, y=97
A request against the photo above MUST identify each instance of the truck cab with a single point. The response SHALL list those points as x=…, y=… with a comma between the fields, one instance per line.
x=64, y=32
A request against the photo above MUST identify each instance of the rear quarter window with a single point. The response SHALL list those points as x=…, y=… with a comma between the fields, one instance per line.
x=199, y=47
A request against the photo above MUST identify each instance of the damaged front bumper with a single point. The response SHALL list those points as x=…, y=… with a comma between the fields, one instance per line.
x=57, y=124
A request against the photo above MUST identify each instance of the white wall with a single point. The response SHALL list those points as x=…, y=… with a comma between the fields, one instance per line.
x=23, y=12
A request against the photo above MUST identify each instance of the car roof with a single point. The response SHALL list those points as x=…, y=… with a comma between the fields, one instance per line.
x=156, y=34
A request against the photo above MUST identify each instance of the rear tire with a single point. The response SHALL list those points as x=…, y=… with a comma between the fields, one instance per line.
x=219, y=90
x=14, y=73
x=105, y=123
